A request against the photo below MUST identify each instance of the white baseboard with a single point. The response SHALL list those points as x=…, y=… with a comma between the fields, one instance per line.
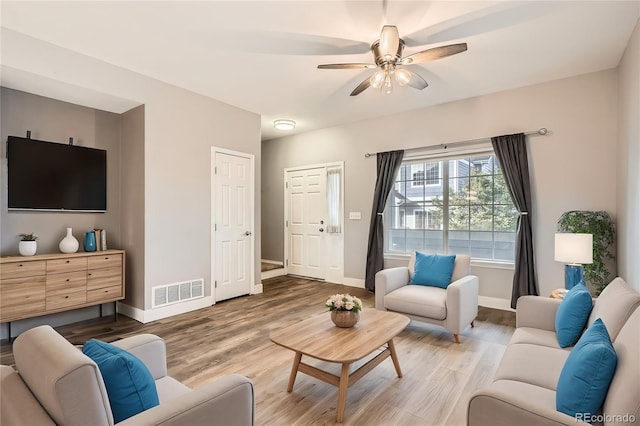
x=495, y=303
x=353, y=282
x=257, y=289
x=145, y=316
x=272, y=262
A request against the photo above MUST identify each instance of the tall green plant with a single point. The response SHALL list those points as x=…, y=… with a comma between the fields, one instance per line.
x=601, y=226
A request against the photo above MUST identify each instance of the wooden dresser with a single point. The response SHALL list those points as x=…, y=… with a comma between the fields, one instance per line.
x=50, y=283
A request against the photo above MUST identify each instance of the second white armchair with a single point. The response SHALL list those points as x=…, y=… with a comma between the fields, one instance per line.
x=454, y=308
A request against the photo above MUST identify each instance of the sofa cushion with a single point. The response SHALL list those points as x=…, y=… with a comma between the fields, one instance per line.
x=129, y=383
x=573, y=314
x=536, y=336
x=418, y=300
x=17, y=404
x=624, y=392
x=587, y=373
x=537, y=365
x=433, y=270
x=614, y=305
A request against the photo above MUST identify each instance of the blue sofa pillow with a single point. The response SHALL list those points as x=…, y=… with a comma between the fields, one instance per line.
x=433, y=269
x=572, y=315
x=587, y=373
x=130, y=385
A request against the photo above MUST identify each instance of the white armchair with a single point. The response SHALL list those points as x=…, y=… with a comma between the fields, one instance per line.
x=454, y=308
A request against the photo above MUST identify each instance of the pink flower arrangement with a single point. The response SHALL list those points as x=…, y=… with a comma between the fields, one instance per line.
x=344, y=302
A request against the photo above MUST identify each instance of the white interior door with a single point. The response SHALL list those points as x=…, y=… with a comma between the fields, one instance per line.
x=233, y=239
x=307, y=210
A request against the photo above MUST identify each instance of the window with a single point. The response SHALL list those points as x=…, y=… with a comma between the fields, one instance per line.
x=461, y=205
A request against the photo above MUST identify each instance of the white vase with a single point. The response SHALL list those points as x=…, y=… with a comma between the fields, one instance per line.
x=27, y=248
x=69, y=244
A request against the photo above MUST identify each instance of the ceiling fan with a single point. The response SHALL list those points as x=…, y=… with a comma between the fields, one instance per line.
x=388, y=57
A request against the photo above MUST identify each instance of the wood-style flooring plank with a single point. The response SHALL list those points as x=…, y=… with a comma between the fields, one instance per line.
x=233, y=337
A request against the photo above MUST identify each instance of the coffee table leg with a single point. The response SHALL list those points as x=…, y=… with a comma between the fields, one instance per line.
x=394, y=357
x=294, y=371
x=342, y=392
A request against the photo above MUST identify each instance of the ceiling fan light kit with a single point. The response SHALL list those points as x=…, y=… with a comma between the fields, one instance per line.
x=387, y=52
x=283, y=124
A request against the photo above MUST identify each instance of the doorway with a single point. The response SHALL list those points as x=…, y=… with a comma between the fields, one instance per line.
x=314, y=221
x=232, y=223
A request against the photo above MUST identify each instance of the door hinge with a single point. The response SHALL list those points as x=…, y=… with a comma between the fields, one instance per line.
x=286, y=223
x=286, y=262
x=215, y=227
x=215, y=170
x=215, y=284
x=286, y=185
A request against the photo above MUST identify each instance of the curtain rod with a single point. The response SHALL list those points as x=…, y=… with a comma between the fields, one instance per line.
x=542, y=131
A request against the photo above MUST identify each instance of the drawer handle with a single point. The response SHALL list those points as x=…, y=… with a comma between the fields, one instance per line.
x=106, y=258
x=67, y=279
x=20, y=265
x=66, y=297
x=89, y=274
x=68, y=261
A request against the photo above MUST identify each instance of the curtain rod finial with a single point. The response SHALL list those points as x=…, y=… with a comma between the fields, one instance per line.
x=543, y=131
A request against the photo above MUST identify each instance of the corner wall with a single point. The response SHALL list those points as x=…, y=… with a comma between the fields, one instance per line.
x=572, y=168
x=628, y=178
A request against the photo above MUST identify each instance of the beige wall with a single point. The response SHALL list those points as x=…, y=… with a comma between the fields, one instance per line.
x=132, y=204
x=628, y=188
x=572, y=168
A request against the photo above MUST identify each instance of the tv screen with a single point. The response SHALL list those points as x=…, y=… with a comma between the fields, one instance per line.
x=55, y=176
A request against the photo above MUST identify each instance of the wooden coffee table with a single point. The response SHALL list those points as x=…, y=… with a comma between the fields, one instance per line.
x=319, y=338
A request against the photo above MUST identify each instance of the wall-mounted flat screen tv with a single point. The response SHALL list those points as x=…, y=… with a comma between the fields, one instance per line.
x=55, y=177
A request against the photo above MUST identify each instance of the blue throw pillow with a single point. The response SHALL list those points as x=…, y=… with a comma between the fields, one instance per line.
x=573, y=314
x=587, y=373
x=130, y=385
x=434, y=270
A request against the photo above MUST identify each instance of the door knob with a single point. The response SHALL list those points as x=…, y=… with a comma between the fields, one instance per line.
x=321, y=229
x=247, y=233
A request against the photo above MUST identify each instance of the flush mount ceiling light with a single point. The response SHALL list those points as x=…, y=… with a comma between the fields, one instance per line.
x=284, y=124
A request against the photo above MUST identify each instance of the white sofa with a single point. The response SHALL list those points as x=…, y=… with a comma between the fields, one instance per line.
x=57, y=384
x=523, y=391
x=454, y=308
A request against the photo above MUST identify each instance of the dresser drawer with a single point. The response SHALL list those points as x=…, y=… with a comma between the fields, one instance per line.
x=98, y=278
x=22, y=298
x=22, y=269
x=66, y=300
x=66, y=282
x=105, y=294
x=105, y=261
x=66, y=265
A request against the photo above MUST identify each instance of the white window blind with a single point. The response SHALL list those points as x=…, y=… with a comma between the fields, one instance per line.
x=334, y=187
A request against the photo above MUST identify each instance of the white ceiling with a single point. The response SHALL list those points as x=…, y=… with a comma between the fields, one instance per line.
x=262, y=56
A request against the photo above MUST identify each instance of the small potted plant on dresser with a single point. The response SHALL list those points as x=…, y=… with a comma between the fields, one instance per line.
x=28, y=244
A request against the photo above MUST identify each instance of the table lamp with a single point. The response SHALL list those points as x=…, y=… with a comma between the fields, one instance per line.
x=575, y=250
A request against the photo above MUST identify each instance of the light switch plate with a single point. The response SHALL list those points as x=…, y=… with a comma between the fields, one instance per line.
x=355, y=216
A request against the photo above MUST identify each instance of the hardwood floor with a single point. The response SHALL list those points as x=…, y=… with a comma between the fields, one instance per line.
x=233, y=337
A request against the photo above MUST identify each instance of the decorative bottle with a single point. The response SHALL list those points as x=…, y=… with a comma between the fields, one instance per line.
x=89, y=241
x=69, y=244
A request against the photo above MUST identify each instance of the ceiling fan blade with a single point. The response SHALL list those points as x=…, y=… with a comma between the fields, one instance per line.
x=361, y=87
x=352, y=66
x=433, y=54
x=416, y=81
x=389, y=41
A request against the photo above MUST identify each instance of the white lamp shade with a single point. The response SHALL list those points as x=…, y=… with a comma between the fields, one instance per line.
x=574, y=248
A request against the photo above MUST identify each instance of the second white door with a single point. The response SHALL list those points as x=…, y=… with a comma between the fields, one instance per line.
x=307, y=210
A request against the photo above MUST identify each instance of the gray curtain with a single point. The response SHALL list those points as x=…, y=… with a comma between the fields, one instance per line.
x=511, y=151
x=388, y=165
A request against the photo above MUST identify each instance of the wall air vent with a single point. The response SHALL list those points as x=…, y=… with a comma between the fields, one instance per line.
x=170, y=294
